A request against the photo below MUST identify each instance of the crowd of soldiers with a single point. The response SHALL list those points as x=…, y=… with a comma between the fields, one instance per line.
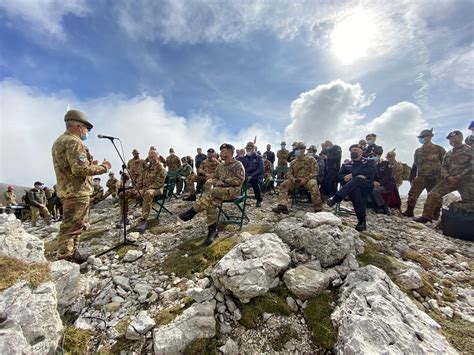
x=366, y=179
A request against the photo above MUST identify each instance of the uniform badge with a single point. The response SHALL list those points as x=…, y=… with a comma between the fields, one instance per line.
x=82, y=158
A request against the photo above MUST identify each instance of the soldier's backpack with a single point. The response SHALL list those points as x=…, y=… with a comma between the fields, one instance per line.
x=406, y=172
x=457, y=221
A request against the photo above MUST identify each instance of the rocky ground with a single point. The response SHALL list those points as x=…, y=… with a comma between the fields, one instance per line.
x=297, y=283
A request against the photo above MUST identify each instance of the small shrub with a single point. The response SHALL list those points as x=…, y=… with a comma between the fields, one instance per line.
x=76, y=340
x=413, y=255
x=270, y=303
x=13, y=270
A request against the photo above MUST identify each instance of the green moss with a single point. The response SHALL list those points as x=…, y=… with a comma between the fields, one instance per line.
x=12, y=270
x=449, y=295
x=318, y=315
x=282, y=336
x=427, y=289
x=76, y=341
x=270, y=303
x=169, y=314
x=372, y=255
x=424, y=261
x=459, y=332
x=257, y=228
x=204, y=346
x=121, y=344
x=437, y=255
x=199, y=257
x=121, y=327
x=121, y=251
x=448, y=282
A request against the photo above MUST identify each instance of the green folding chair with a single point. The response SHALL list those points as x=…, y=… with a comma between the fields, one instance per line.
x=278, y=171
x=170, y=183
x=160, y=200
x=300, y=195
x=240, y=203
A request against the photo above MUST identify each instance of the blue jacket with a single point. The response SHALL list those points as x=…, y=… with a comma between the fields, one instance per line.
x=253, y=165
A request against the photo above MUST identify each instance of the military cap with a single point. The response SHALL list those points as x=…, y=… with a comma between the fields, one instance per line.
x=300, y=145
x=152, y=148
x=250, y=145
x=391, y=153
x=294, y=144
x=227, y=146
x=355, y=146
x=78, y=116
x=426, y=132
x=135, y=151
x=454, y=134
x=37, y=183
x=96, y=178
x=371, y=135
x=111, y=174
x=283, y=143
x=362, y=142
x=211, y=150
x=171, y=150
x=471, y=126
x=313, y=148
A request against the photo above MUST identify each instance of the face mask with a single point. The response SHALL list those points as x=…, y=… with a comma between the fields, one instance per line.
x=376, y=158
x=84, y=137
x=370, y=141
x=354, y=155
x=421, y=140
x=297, y=153
x=249, y=153
x=310, y=154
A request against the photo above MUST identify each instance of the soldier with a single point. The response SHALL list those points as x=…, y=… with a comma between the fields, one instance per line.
x=357, y=178
x=270, y=154
x=426, y=171
x=267, y=167
x=253, y=165
x=199, y=158
x=363, y=144
x=332, y=154
x=98, y=193
x=282, y=161
x=456, y=175
x=135, y=167
x=38, y=202
x=173, y=162
x=470, y=139
x=183, y=172
x=10, y=197
x=112, y=186
x=372, y=151
x=152, y=183
x=227, y=185
x=321, y=162
x=397, y=168
x=291, y=155
x=303, y=173
x=50, y=197
x=74, y=167
x=204, y=176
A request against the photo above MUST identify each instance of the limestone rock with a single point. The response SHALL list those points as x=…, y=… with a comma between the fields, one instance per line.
x=375, y=316
x=410, y=279
x=329, y=244
x=251, y=267
x=132, y=255
x=141, y=325
x=230, y=347
x=304, y=282
x=17, y=243
x=313, y=220
x=122, y=281
x=69, y=283
x=194, y=323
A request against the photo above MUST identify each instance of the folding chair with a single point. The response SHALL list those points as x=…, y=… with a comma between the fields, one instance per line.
x=300, y=195
x=239, y=202
x=279, y=170
x=160, y=200
x=170, y=182
x=341, y=211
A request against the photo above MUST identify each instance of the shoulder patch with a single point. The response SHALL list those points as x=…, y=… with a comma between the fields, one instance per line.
x=82, y=158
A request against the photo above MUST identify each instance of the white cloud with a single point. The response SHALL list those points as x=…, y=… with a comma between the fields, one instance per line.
x=31, y=121
x=43, y=17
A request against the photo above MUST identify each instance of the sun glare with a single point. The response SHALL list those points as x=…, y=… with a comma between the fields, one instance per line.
x=353, y=36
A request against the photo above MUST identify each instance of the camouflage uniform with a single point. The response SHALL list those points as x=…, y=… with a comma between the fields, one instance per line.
x=38, y=203
x=282, y=156
x=397, y=173
x=207, y=167
x=173, y=162
x=10, y=197
x=428, y=159
x=457, y=162
x=97, y=194
x=112, y=187
x=74, y=170
x=267, y=168
x=302, y=168
x=153, y=180
x=135, y=168
x=231, y=177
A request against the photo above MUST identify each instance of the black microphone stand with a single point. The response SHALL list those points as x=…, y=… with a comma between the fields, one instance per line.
x=124, y=200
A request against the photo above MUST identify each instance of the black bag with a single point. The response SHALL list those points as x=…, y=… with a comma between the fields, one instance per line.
x=457, y=225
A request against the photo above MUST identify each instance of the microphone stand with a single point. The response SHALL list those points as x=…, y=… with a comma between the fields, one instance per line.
x=124, y=200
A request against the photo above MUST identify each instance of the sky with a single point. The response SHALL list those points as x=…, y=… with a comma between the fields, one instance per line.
x=189, y=73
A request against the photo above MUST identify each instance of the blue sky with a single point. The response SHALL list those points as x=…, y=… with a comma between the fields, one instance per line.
x=186, y=73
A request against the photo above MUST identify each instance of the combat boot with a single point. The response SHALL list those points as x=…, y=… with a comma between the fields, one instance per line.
x=259, y=203
x=188, y=215
x=409, y=212
x=436, y=213
x=361, y=225
x=211, y=234
x=190, y=198
x=422, y=219
x=280, y=209
x=141, y=226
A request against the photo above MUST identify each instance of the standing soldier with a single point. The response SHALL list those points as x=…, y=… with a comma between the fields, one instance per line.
x=372, y=151
x=227, y=185
x=38, y=203
x=10, y=197
x=135, y=167
x=183, y=172
x=205, y=175
x=267, y=167
x=426, y=171
x=303, y=173
x=397, y=168
x=270, y=155
x=112, y=186
x=456, y=175
x=282, y=156
x=74, y=167
x=332, y=154
x=98, y=193
x=199, y=158
x=470, y=139
x=173, y=162
x=321, y=163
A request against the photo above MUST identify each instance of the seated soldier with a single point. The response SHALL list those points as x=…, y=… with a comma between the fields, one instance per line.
x=98, y=193
x=10, y=197
x=267, y=173
x=37, y=200
x=357, y=178
x=302, y=173
x=112, y=186
x=183, y=172
x=253, y=165
x=205, y=175
x=152, y=182
x=384, y=185
x=227, y=185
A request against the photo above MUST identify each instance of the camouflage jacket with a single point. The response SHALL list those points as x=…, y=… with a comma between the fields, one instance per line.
x=97, y=193
x=10, y=197
x=208, y=166
x=135, y=166
x=173, y=162
x=112, y=184
x=282, y=156
x=37, y=197
x=231, y=174
x=73, y=166
x=397, y=173
x=457, y=162
x=428, y=159
x=267, y=168
x=154, y=176
x=303, y=168
x=185, y=170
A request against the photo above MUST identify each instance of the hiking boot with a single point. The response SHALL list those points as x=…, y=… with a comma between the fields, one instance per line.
x=188, y=215
x=361, y=225
x=258, y=204
x=331, y=202
x=211, y=234
x=190, y=198
x=436, y=213
x=409, y=212
x=141, y=226
x=79, y=258
x=422, y=219
x=280, y=209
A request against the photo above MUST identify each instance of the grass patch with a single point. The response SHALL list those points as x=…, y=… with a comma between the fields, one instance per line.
x=162, y=229
x=257, y=228
x=449, y=295
x=121, y=251
x=318, y=315
x=283, y=335
x=459, y=332
x=12, y=270
x=76, y=340
x=168, y=315
x=92, y=234
x=373, y=235
x=121, y=327
x=204, y=346
x=424, y=261
x=269, y=303
x=427, y=289
x=120, y=345
x=448, y=282
x=437, y=255
x=372, y=255
x=199, y=257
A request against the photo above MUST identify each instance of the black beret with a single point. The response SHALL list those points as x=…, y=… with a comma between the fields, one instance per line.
x=211, y=150
x=453, y=134
x=355, y=146
x=227, y=146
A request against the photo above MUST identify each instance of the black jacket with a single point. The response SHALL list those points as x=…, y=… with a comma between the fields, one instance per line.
x=364, y=167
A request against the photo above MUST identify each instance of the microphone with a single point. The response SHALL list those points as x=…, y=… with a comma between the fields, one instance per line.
x=107, y=137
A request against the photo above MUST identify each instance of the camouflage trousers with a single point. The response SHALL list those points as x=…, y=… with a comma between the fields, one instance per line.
x=311, y=186
x=212, y=198
x=148, y=196
x=75, y=219
x=465, y=188
x=110, y=192
x=35, y=211
x=193, y=178
x=418, y=185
